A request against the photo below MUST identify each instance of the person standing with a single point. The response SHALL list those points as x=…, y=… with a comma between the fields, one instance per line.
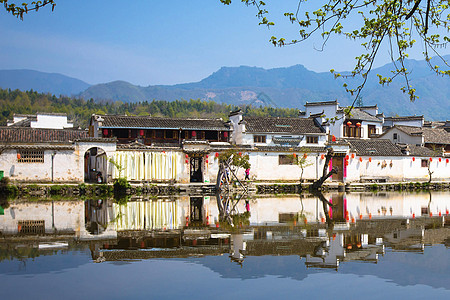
x=247, y=174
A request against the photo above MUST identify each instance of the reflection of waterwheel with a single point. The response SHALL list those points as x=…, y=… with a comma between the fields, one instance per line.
x=154, y=190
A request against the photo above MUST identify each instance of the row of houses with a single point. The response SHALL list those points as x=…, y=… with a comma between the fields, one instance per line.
x=367, y=147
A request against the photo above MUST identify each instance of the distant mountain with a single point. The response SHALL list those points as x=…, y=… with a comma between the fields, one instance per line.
x=53, y=83
x=282, y=87
x=293, y=86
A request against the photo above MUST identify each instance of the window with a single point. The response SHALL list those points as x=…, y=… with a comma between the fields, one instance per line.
x=312, y=139
x=352, y=131
x=259, y=138
x=30, y=156
x=395, y=136
x=285, y=160
x=372, y=130
x=424, y=163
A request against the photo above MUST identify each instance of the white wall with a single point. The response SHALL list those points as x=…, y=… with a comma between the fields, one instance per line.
x=66, y=167
x=265, y=166
x=51, y=121
x=402, y=137
x=414, y=123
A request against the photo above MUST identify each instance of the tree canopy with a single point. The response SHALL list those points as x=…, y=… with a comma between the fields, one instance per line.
x=80, y=110
x=394, y=23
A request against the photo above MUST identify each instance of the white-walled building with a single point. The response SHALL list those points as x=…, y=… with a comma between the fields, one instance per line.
x=362, y=122
x=41, y=120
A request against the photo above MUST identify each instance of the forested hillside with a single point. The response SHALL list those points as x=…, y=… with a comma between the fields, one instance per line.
x=80, y=110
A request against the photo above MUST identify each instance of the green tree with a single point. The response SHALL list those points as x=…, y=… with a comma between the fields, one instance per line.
x=394, y=23
x=301, y=160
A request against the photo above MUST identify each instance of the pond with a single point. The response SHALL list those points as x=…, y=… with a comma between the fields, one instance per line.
x=338, y=245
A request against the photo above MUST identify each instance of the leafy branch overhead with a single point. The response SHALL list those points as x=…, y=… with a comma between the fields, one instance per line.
x=394, y=23
x=19, y=10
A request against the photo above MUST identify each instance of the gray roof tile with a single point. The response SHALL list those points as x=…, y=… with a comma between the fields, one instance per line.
x=146, y=122
x=358, y=114
x=281, y=125
x=376, y=147
x=39, y=135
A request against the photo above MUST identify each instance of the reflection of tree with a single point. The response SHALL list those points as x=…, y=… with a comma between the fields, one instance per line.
x=326, y=205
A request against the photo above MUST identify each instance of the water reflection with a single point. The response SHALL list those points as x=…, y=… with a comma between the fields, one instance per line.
x=323, y=230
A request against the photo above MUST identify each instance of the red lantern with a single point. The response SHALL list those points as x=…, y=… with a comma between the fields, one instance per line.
x=349, y=123
x=225, y=134
x=186, y=161
x=346, y=162
x=370, y=159
x=360, y=159
x=353, y=155
x=194, y=134
x=18, y=156
x=207, y=155
x=333, y=138
x=240, y=153
x=186, y=156
x=295, y=155
x=305, y=155
x=431, y=159
x=141, y=132
x=446, y=160
x=217, y=154
x=322, y=156
x=105, y=132
x=358, y=124
x=414, y=159
x=439, y=159
x=207, y=161
x=347, y=157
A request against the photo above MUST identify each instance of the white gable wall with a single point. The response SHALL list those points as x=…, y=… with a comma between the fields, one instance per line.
x=51, y=121
x=402, y=138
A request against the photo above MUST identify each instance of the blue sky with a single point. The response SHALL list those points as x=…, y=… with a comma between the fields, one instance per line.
x=159, y=42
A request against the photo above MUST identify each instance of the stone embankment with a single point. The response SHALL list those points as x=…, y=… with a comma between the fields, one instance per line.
x=70, y=190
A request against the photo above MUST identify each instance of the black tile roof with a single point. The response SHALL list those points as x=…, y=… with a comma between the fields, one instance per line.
x=419, y=151
x=404, y=118
x=436, y=136
x=376, y=147
x=410, y=130
x=281, y=125
x=39, y=135
x=162, y=123
x=359, y=114
x=333, y=102
x=22, y=123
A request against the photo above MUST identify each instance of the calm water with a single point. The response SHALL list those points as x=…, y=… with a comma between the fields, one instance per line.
x=365, y=245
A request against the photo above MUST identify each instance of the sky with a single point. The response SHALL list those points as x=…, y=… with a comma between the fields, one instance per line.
x=151, y=42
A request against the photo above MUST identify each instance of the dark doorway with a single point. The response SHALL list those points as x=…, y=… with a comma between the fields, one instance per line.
x=196, y=211
x=196, y=169
x=338, y=210
x=338, y=162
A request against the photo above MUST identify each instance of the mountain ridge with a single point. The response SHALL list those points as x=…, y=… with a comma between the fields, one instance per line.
x=54, y=83
x=291, y=87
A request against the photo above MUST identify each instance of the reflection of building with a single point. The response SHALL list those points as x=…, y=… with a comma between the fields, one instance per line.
x=238, y=247
x=45, y=217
